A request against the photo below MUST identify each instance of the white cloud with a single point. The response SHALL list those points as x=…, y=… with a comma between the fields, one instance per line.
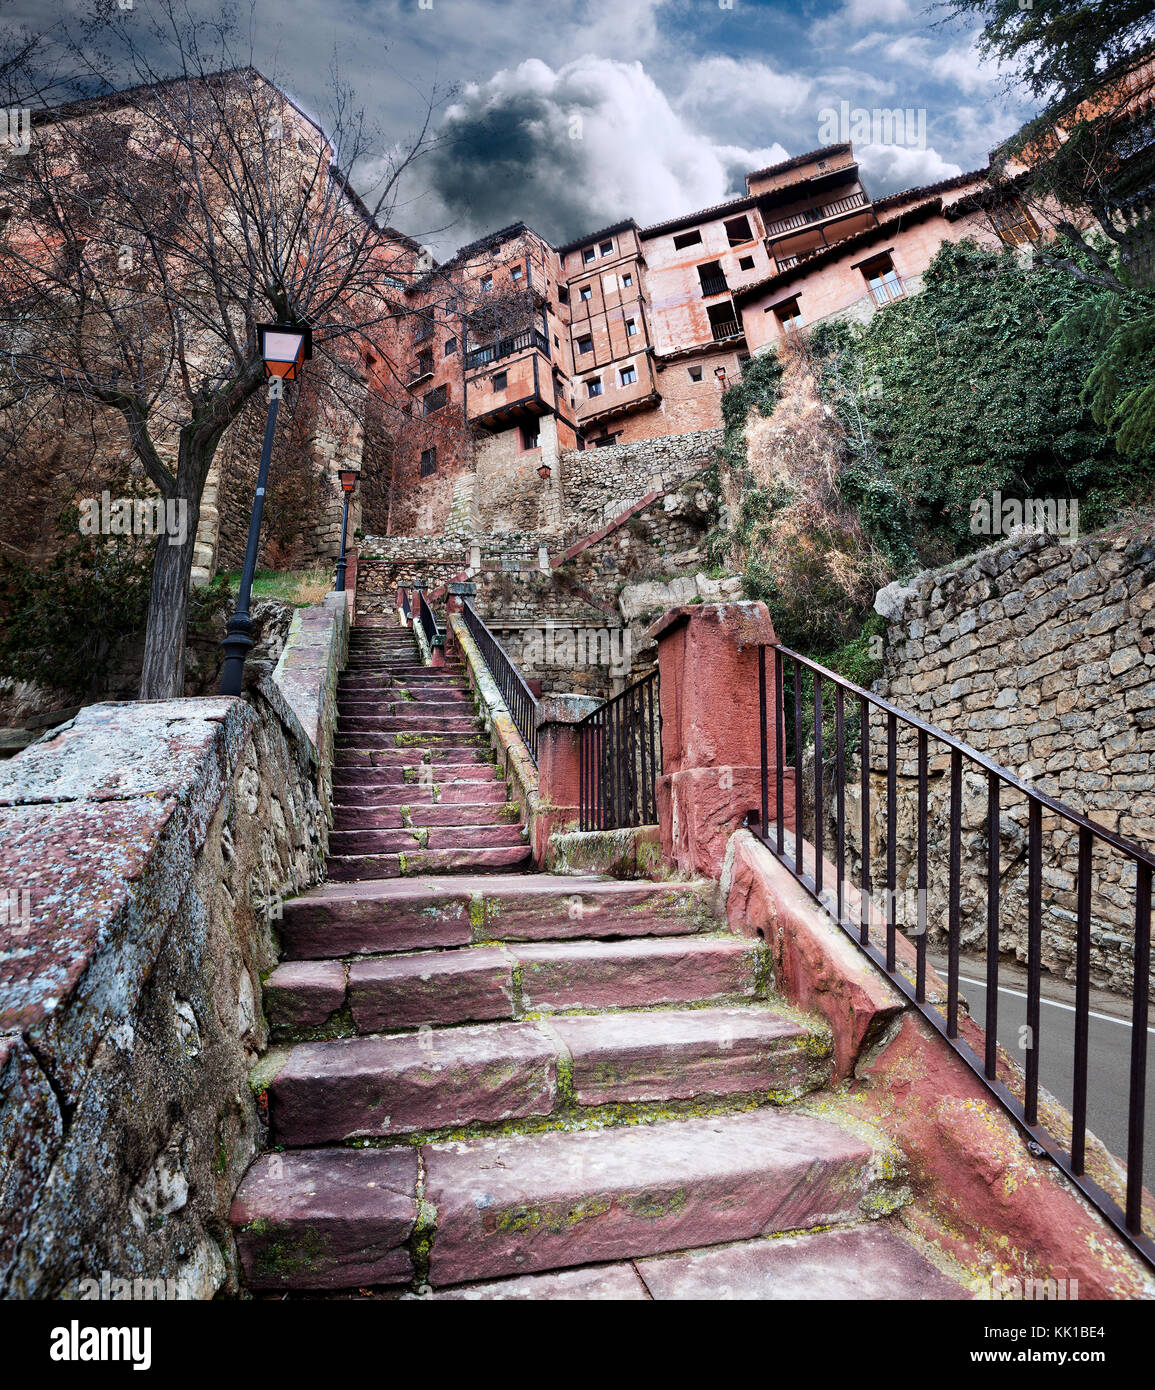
x=890, y=168
x=737, y=90
x=572, y=149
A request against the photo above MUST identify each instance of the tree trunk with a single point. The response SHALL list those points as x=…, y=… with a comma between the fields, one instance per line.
x=162, y=676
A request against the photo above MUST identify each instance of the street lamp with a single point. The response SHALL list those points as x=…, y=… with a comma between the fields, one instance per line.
x=284, y=347
x=348, y=478
x=720, y=373
x=543, y=472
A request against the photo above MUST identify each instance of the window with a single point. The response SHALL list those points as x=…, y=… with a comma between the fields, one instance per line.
x=607, y=248
x=450, y=346
x=745, y=262
x=1014, y=223
x=631, y=327
x=882, y=279
x=738, y=231
x=435, y=400
x=789, y=315
x=711, y=277
x=500, y=381
x=428, y=462
x=563, y=294
x=594, y=386
x=723, y=324
x=687, y=239
x=627, y=280
x=695, y=373
x=487, y=282
x=530, y=438
x=424, y=325
x=585, y=294
x=556, y=341
x=585, y=344
x=424, y=363
x=629, y=375
x=821, y=165
x=515, y=272
x=606, y=440
x=588, y=254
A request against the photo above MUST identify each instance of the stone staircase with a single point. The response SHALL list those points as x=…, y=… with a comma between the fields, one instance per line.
x=486, y=1084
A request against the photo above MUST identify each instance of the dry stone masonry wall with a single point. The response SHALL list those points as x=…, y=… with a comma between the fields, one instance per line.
x=1040, y=654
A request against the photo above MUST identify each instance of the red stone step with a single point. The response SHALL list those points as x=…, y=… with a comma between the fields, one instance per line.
x=447, y=813
x=637, y=973
x=354, y=771
x=443, y=743
x=327, y=1219
x=481, y=860
x=405, y=915
x=388, y=722
x=491, y=834
x=475, y=984
x=380, y=1086
x=398, y=793
x=519, y=1204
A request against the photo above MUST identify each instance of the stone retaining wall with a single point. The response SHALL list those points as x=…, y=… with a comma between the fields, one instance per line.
x=143, y=851
x=1040, y=654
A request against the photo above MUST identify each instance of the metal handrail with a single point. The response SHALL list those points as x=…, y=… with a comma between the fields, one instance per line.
x=428, y=620
x=1128, y=1220
x=519, y=699
x=620, y=758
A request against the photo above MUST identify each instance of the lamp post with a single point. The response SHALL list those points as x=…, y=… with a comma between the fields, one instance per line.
x=284, y=346
x=543, y=472
x=348, y=478
x=720, y=373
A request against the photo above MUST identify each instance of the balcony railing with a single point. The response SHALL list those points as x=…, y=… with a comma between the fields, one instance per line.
x=725, y=328
x=714, y=284
x=620, y=758
x=814, y=726
x=808, y=216
x=506, y=347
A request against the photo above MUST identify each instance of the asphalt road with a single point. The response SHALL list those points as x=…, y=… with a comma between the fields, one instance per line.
x=1109, y=1068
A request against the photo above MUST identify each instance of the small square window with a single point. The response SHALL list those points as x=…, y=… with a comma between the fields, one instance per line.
x=789, y=315
x=687, y=239
x=631, y=327
x=530, y=437
x=607, y=248
x=556, y=341
x=487, y=282
x=450, y=347
x=562, y=295
x=695, y=373
x=435, y=400
x=588, y=254
x=594, y=387
x=500, y=381
x=627, y=280
x=515, y=272
x=428, y=462
x=585, y=293
x=424, y=363
x=738, y=231
x=629, y=376
x=745, y=262
x=585, y=344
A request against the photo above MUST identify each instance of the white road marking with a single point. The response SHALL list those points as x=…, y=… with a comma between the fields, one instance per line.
x=1054, y=1003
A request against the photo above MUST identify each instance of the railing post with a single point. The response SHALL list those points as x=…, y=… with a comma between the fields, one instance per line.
x=558, y=765
x=711, y=728
x=457, y=592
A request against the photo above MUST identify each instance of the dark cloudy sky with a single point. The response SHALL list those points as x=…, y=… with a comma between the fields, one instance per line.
x=571, y=114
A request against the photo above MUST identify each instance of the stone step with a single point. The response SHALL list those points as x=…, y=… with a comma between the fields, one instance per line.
x=443, y=742
x=381, y=1086
x=476, y=984
x=413, y=709
x=491, y=834
x=510, y=1208
x=370, y=918
x=443, y=814
x=520, y=1204
x=872, y=1262
x=383, y=780
x=406, y=864
x=419, y=724
x=392, y=794
x=357, y=688
x=398, y=759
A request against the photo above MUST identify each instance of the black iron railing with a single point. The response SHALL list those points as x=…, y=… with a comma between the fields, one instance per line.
x=519, y=699
x=428, y=620
x=714, y=284
x=403, y=604
x=724, y=328
x=506, y=347
x=620, y=757
x=822, y=720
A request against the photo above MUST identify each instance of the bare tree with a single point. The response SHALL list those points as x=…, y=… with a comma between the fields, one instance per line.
x=154, y=228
